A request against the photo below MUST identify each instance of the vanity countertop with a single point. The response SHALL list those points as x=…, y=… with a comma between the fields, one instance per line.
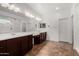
x=14, y=35
x=19, y=34
x=37, y=32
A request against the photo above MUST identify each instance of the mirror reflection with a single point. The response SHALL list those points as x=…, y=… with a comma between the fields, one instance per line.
x=5, y=25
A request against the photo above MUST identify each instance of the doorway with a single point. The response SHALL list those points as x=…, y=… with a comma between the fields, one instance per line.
x=66, y=30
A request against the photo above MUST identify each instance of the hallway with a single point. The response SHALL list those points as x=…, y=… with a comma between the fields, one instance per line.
x=51, y=48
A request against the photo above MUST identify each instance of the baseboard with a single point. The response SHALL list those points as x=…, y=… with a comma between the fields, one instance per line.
x=77, y=49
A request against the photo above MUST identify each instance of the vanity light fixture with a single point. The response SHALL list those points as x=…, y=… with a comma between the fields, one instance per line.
x=14, y=8
x=11, y=7
x=29, y=14
x=39, y=19
x=17, y=9
x=5, y=5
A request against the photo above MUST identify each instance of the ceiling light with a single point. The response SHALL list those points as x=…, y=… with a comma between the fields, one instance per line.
x=57, y=8
x=11, y=7
x=17, y=9
x=39, y=19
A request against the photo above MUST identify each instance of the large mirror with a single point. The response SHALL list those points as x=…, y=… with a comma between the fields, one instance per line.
x=12, y=25
x=5, y=25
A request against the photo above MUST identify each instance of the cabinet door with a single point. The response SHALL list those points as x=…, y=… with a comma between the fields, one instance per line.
x=30, y=44
x=45, y=35
x=41, y=37
x=24, y=45
x=12, y=47
x=37, y=39
x=3, y=48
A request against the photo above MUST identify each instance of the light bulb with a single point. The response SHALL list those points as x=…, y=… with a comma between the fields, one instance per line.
x=39, y=19
x=5, y=5
x=29, y=14
x=11, y=7
x=14, y=8
x=17, y=9
x=57, y=8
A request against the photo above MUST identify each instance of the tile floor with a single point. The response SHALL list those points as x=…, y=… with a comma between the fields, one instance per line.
x=50, y=48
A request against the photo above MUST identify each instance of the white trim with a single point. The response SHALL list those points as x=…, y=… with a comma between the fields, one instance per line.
x=77, y=49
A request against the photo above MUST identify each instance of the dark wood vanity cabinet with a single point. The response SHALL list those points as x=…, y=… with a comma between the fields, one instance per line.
x=3, y=48
x=40, y=38
x=37, y=39
x=13, y=46
x=26, y=44
x=30, y=44
x=16, y=46
x=43, y=36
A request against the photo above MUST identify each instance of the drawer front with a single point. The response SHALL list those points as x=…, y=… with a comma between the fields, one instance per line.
x=37, y=39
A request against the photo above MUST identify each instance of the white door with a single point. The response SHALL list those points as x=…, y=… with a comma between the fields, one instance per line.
x=65, y=30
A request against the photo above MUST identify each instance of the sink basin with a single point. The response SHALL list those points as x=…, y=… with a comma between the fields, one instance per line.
x=36, y=33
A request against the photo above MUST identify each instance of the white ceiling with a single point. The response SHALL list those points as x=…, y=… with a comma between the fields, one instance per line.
x=46, y=9
x=50, y=7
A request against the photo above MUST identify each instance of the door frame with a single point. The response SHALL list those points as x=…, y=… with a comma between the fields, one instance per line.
x=72, y=30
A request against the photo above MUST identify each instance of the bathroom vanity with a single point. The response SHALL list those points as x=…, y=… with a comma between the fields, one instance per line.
x=16, y=46
x=41, y=37
x=18, y=33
